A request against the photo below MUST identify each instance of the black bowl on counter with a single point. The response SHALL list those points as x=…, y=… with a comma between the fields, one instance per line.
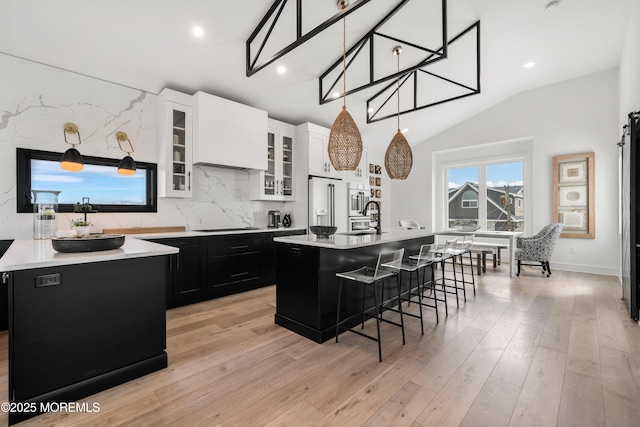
x=323, y=231
x=88, y=243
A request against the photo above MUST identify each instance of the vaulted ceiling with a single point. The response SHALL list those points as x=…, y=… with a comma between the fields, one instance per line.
x=149, y=45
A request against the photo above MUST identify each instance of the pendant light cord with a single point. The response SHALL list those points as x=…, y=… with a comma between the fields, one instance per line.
x=398, y=92
x=344, y=62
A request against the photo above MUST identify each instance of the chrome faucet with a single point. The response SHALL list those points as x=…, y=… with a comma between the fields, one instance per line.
x=379, y=223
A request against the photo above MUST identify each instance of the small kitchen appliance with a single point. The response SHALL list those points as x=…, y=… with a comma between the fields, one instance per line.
x=273, y=219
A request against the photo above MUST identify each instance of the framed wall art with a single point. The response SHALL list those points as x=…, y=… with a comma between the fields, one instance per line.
x=573, y=194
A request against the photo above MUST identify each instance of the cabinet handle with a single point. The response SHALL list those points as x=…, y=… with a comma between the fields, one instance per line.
x=244, y=273
x=239, y=247
x=189, y=181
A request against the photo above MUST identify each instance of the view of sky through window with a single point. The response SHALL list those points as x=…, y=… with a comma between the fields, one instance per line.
x=102, y=184
x=498, y=175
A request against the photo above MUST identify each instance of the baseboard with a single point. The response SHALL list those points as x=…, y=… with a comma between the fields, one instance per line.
x=591, y=269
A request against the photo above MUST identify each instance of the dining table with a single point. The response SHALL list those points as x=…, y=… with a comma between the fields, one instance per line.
x=493, y=234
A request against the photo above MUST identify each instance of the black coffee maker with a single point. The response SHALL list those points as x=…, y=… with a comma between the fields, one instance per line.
x=273, y=218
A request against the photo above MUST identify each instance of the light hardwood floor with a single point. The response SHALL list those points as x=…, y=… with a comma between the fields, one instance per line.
x=530, y=351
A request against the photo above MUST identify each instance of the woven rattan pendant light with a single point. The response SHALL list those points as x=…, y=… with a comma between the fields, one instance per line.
x=345, y=142
x=398, y=159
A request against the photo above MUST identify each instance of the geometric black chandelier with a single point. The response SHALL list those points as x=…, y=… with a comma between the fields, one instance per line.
x=455, y=77
x=282, y=20
x=420, y=26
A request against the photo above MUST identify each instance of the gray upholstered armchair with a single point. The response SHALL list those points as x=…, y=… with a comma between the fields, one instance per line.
x=538, y=248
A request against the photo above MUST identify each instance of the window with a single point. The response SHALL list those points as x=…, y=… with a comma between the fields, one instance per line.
x=491, y=194
x=108, y=191
x=470, y=199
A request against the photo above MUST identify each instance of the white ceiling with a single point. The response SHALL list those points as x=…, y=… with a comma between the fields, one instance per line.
x=148, y=45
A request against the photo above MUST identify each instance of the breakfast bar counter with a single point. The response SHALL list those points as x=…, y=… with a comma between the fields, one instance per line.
x=306, y=283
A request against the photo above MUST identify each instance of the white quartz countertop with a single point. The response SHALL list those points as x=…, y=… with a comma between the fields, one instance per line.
x=346, y=241
x=195, y=233
x=28, y=254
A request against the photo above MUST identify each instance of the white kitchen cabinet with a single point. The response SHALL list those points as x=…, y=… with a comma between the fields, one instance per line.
x=316, y=140
x=175, y=144
x=228, y=133
x=278, y=181
x=361, y=173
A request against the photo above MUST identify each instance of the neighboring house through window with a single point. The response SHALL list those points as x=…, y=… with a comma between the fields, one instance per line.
x=487, y=188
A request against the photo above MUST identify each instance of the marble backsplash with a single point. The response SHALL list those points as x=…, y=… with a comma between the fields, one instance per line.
x=37, y=100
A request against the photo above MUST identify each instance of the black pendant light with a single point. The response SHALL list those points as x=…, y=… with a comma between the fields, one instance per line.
x=345, y=142
x=71, y=159
x=398, y=159
x=127, y=165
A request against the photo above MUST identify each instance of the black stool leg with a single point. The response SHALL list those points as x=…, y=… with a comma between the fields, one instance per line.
x=338, y=310
x=419, y=297
x=473, y=277
x=455, y=278
x=364, y=297
x=378, y=315
x=400, y=306
x=444, y=291
x=464, y=280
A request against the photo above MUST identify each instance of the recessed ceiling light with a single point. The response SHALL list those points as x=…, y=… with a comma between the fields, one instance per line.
x=529, y=64
x=281, y=69
x=370, y=110
x=552, y=5
x=198, y=31
x=405, y=130
x=336, y=94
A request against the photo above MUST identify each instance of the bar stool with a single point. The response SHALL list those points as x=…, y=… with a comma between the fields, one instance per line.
x=386, y=266
x=447, y=254
x=459, y=251
x=429, y=257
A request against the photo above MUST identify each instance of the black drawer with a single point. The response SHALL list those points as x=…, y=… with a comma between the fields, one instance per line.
x=235, y=246
x=235, y=269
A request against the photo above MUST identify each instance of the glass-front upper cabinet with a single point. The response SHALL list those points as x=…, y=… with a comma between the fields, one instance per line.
x=175, y=149
x=277, y=182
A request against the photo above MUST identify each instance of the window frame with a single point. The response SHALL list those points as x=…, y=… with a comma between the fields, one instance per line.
x=470, y=207
x=23, y=182
x=520, y=150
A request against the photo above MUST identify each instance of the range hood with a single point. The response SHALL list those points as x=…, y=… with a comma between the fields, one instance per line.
x=228, y=134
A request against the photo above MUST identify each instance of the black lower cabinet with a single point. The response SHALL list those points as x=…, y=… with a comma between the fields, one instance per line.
x=236, y=263
x=80, y=329
x=218, y=265
x=186, y=271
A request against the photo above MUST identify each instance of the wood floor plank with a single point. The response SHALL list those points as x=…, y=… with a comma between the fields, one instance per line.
x=449, y=406
x=582, y=403
x=583, y=355
x=557, y=331
x=493, y=406
x=540, y=396
x=621, y=387
x=356, y=410
x=403, y=407
x=516, y=360
x=611, y=333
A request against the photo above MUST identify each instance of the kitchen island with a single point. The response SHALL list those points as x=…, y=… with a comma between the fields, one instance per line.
x=80, y=323
x=306, y=283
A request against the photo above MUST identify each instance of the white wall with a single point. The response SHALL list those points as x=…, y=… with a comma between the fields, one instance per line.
x=575, y=116
x=630, y=66
x=35, y=103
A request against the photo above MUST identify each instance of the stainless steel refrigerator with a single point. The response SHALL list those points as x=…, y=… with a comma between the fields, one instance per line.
x=328, y=202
